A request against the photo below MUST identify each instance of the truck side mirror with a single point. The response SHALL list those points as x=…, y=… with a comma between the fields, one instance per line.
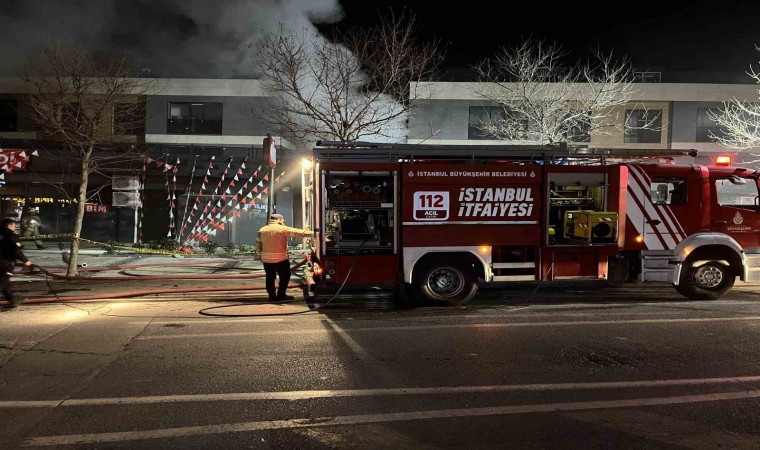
x=737, y=180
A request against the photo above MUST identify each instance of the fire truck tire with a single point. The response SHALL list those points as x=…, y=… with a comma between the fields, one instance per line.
x=447, y=281
x=708, y=281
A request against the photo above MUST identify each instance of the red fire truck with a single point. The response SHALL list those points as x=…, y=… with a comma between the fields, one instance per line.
x=437, y=219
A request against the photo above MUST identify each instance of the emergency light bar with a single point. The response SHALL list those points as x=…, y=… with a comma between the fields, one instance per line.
x=723, y=160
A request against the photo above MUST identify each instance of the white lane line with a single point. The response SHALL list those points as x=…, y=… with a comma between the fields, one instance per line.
x=93, y=438
x=436, y=390
x=670, y=430
x=452, y=326
x=224, y=321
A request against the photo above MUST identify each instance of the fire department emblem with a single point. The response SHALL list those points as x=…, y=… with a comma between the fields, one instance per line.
x=533, y=174
x=738, y=219
x=411, y=174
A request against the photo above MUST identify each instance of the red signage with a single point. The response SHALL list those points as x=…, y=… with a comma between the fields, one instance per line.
x=95, y=208
x=13, y=159
x=493, y=193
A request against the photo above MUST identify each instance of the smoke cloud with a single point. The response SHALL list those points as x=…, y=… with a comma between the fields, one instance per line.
x=169, y=38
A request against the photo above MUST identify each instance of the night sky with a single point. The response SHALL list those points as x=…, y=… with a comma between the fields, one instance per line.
x=203, y=38
x=703, y=36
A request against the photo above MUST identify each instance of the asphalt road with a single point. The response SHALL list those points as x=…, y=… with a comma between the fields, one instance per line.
x=567, y=366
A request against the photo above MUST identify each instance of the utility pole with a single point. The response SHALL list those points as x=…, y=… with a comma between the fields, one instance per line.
x=271, y=152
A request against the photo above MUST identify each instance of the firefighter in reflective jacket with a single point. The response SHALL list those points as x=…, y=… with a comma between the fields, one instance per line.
x=272, y=247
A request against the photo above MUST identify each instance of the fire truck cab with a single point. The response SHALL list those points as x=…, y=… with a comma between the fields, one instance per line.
x=436, y=220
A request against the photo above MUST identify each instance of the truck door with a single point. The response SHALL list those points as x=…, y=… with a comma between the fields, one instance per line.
x=659, y=203
x=734, y=207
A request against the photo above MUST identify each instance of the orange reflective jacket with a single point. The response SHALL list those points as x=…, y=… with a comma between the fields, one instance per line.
x=272, y=241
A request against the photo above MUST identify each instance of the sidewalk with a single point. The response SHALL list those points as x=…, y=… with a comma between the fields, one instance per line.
x=198, y=277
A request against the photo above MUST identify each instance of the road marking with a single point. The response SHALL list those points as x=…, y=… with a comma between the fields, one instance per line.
x=165, y=433
x=306, y=395
x=225, y=321
x=662, y=428
x=451, y=326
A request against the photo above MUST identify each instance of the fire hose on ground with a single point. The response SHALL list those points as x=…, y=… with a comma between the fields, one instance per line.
x=139, y=293
x=309, y=283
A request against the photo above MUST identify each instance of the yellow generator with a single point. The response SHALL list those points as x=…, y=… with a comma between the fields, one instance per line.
x=569, y=219
x=595, y=226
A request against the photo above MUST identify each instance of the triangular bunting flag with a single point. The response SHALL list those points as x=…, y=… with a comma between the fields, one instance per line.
x=256, y=173
x=35, y=153
x=242, y=166
x=266, y=177
x=227, y=191
x=221, y=226
x=249, y=195
x=22, y=154
x=277, y=180
x=245, y=186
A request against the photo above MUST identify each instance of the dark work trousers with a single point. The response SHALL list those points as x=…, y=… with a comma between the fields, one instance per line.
x=280, y=269
x=5, y=280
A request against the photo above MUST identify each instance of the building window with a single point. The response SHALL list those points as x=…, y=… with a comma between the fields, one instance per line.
x=484, y=114
x=194, y=118
x=706, y=127
x=8, y=115
x=580, y=131
x=668, y=191
x=643, y=126
x=647, y=77
x=129, y=119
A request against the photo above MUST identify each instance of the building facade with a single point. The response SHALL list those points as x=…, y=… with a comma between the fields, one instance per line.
x=203, y=148
x=450, y=111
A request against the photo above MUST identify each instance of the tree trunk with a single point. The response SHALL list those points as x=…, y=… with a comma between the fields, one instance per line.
x=78, y=219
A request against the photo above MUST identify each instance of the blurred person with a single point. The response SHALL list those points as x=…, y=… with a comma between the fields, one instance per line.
x=272, y=247
x=30, y=225
x=10, y=252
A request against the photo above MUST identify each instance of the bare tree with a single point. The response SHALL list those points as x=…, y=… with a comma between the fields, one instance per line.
x=84, y=101
x=739, y=123
x=544, y=101
x=358, y=85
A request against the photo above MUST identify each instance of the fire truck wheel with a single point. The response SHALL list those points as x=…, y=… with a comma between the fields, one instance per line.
x=708, y=281
x=451, y=282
